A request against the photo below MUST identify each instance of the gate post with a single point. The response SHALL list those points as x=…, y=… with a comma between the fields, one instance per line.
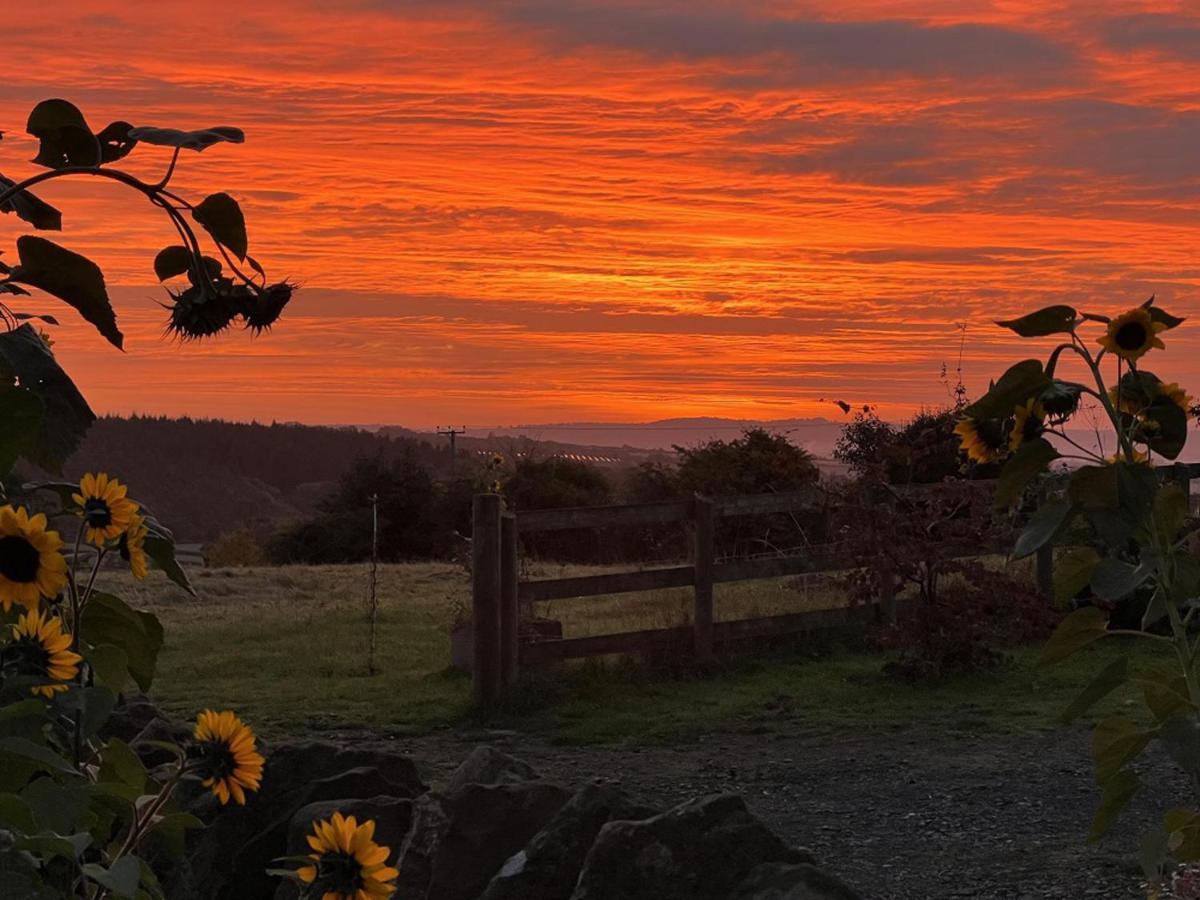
x=510, y=619
x=704, y=549
x=485, y=596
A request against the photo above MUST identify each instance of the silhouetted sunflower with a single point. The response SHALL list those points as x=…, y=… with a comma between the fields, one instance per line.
x=132, y=546
x=347, y=863
x=225, y=756
x=1176, y=395
x=31, y=560
x=1027, y=424
x=982, y=441
x=40, y=649
x=1132, y=334
x=107, y=512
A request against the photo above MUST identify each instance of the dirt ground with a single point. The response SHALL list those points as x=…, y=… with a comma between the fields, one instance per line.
x=903, y=814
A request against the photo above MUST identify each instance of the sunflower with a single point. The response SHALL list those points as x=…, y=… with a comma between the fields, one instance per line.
x=1176, y=395
x=347, y=863
x=40, y=649
x=225, y=756
x=31, y=560
x=983, y=441
x=1132, y=334
x=1027, y=424
x=1140, y=458
x=106, y=510
x=132, y=546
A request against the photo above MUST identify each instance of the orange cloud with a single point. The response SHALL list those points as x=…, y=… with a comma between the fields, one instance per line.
x=512, y=211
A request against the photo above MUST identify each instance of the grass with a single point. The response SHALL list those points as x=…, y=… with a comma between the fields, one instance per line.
x=286, y=648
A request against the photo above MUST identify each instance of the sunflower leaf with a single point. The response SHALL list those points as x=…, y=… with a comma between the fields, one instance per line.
x=66, y=139
x=1048, y=320
x=222, y=218
x=160, y=547
x=1031, y=459
x=109, y=620
x=72, y=278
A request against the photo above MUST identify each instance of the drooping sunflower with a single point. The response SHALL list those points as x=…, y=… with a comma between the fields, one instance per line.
x=347, y=863
x=132, y=546
x=1027, y=424
x=41, y=649
x=106, y=510
x=984, y=441
x=31, y=560
x=1176, y=395
x=1132, y=334
x=225, y=756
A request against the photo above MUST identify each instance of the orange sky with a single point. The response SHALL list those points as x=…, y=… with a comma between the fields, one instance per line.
x=508, y=212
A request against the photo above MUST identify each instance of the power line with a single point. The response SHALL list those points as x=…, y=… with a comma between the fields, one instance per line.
x=452, y=433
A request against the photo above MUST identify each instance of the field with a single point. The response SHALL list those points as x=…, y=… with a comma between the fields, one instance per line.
x=287, y=647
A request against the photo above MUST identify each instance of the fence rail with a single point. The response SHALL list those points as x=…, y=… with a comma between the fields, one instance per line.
x=498, y=592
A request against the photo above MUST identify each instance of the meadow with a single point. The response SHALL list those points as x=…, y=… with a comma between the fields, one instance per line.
x=287, y=647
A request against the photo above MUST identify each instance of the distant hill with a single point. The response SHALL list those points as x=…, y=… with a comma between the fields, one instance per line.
x=204, y=477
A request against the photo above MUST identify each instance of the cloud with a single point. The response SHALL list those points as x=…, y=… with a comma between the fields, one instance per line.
x=1171, y=35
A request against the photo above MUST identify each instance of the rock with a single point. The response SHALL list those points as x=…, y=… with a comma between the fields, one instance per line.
x=134, y=713
x=229, y=858
x=457, y=844
x=548, y=867
x=487, y=765
x=779, y=881
x=700, y=850
x=392, y=815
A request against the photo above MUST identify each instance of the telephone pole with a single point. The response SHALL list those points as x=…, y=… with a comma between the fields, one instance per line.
x=452, y=433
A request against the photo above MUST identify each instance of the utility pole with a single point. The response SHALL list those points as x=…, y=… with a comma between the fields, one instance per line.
x=452, y=433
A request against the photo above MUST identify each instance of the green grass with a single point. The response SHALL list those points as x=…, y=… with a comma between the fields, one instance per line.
x=286, y=647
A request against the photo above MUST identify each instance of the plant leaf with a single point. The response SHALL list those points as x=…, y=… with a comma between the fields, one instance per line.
x=1030, y=460
x=1044, y=526
x=1110, y=678
x=1048, y=320
x=222, y=218
x=1073, y=568
x=188, y=140
x=29, y=207
x=1118, y=791
x=1115, y=743
x=66, y=139
x=72, y=278
x=116, y=142
x=109, y=620
x=1078, y=630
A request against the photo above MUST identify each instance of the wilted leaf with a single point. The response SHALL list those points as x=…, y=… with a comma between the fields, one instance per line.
x=189, y=140
x=160, y=547
x=1022, y=381
x=66, y=139
x=1050, y=320
x=72, y=278
x=28, y=207
x=222, y=218
x=116, y=141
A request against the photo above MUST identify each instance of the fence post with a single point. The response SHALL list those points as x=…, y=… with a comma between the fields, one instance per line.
x=510, y=619
x=1045, y=571
x=704, y=519
x=887, y=590
x=485, y=596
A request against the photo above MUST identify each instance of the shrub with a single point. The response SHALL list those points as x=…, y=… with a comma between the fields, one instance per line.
x=237, y=548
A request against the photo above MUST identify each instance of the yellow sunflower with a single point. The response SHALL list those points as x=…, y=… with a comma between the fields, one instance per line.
x=347, y=863
x=31, y=560
x=1027, y=424
x=41, y=649
x=1132, y=334
x=1140, y=457
x=225, y=756
x=983, y=442
x=106, y=510
x=132, y=546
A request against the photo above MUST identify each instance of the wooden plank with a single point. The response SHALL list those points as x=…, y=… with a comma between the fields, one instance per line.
x=509, y=608
x=779, y=566
x=611, y=583
x=485, y=596
x=757, y=504
x=603, y=516
x=703, y=549
x=631, y=642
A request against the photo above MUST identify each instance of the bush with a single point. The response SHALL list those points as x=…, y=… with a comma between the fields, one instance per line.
x=240, y=547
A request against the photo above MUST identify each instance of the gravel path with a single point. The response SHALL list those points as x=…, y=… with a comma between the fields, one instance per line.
x=904, y=814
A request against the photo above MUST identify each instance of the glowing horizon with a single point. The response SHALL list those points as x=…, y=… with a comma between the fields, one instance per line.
x=539, y=211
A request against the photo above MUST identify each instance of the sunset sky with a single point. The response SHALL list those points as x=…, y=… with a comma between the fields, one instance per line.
x=514, y=212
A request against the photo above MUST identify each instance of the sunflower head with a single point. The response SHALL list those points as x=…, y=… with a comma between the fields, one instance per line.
x=1027, y=424
x=106, y=509
x=1132, y=334
x=984, y=441
x=40, y=649
x=1176, y=395
x=225, y=756
x=31, y=560
x=347, y=864
x=132, y=546
x=1140, y=458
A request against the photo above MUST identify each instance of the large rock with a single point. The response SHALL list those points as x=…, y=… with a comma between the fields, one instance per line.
x=701, y=850
x=132, y=714
x=229, y=859
x=159, y=729
x=460, y=837
x=392, y=816
x=548, y=867
x=779, y=881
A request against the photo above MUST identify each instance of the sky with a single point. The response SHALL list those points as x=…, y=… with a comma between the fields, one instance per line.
x=556, y=210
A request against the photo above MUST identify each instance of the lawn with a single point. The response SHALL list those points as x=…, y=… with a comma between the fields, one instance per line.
x=287, y=648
